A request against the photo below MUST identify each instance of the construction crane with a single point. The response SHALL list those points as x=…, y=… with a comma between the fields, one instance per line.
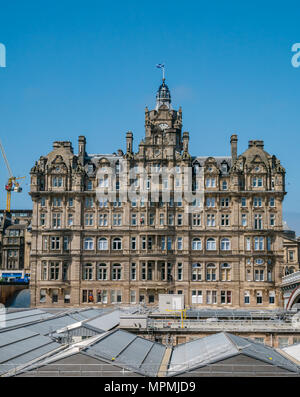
x=12, y=184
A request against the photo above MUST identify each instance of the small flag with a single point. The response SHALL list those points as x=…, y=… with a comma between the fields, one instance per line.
x=160, y=65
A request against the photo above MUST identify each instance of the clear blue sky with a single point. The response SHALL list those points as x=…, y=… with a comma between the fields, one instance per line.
x=88, y=67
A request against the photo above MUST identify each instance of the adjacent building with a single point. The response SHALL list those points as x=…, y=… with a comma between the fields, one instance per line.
x=15, y=243
x=220, y=246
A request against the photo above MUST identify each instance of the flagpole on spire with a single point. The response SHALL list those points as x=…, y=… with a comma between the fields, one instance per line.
x=161, y=66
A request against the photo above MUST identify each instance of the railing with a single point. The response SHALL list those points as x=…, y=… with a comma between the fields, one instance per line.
x=222, y=325
x=291, y=278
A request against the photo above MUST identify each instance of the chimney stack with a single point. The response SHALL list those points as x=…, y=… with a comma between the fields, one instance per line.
x=129, y=141
x=233, y=142
x=81, y=149
x=185, y=140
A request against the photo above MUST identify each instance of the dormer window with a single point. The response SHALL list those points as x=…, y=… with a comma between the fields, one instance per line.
x=90, y=168
x=257, y=181
x=210, y=182
x=224, y=167
x=57, y=181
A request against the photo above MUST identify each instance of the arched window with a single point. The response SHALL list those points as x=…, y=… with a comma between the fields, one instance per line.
x=211, y=244
x=89, y=243
x=225, y=272
x=101, y=271
x=225, y=244
x=102, y=244
x=196, y=272
x=211, y=272
x=116, y=271
x=196, y=244
x=87, y=273
x=117, y=243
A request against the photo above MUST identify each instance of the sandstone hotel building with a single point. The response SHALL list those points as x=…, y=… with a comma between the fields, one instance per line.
x=224, y=250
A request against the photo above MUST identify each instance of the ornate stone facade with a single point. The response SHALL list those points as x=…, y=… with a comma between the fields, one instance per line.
x=224, y=250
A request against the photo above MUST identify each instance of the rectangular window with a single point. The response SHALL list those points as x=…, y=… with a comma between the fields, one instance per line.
x=211, y=220
x=258, y=222
x=257, y=202
x=161, y=219
x=226, y=297
x=248, y=244
x=247, y=297
x=42, y=219
x=42, y=296
x=54, y=296
x=272, y=297
x=66, y=243
x=133, y=271
x=179, y=219
x=133, y=243
x=117, y=219
x=272, y=202
x=291, y=256
x=259, y=243
x=272, y=219
x=84, y=295
x=283, y=341
x=269, y=243
x=196, y=219
x=171, y=219
x=244, y=202
x=151, y=219
x=56, y=220
x=179, y=243
x=103, y=220
x=259, y=297
x=225, y=202
x=210, y=201
x=197, y=297
x=224, y=220
x=89, y=202
x=56, y=202
x=244, y=219
x=57, y=181
x=179, y=272
x=133, y=219
x=70, y=219
x=132, y=296
x=259, y=274
x=55, y=243
x=89, y=219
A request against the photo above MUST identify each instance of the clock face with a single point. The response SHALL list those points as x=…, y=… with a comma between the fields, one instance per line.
x=163, y=126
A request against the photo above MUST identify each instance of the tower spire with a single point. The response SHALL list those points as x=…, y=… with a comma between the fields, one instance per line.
x=163, y=96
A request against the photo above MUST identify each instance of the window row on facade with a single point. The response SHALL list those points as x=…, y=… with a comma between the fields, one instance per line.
x=149, y=271
x=166, y=181
x=198, y=297
x=163, y=243
x=209, y=202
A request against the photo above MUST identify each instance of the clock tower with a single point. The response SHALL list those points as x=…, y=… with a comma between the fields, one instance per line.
x=163, y=129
